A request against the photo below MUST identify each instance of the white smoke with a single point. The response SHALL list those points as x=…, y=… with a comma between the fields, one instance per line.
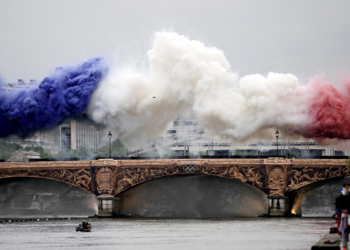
x=186, y=76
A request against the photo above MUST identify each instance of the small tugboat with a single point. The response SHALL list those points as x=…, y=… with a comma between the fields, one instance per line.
x=83, y=227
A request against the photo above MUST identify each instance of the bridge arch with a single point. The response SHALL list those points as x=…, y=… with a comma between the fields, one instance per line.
x=44, y=197
x=190, y=195
x=81, y=178
x=252, y=176
x=126, y=184
x=51, y=179
x=316, y=199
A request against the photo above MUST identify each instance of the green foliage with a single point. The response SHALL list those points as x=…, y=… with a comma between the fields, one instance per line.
x=82, y=152
x=117, y=148
x=166, y=154
x=6, y=150
x=347, y=162
x=245, y=152
x=192, y=153
x=151, y=154
x=294, y=153
x=40, y=150
x=203, y=153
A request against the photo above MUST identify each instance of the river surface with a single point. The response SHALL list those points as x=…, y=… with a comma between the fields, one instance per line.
x=167, y=234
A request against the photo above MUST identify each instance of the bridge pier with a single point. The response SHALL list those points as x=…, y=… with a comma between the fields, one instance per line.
x=107, y=206
x=278, y=205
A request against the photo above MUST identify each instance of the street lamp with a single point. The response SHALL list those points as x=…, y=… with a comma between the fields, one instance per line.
x=277, y=134
x=110, y=137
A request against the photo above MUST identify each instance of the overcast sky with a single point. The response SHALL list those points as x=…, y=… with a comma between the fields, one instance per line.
x=300, y=37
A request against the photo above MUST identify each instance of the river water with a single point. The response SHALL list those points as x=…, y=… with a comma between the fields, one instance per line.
x=201, y=234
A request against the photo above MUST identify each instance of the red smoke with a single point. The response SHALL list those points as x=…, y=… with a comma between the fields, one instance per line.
x=329, y=111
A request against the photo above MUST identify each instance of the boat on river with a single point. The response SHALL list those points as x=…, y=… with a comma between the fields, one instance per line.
x=86, y=227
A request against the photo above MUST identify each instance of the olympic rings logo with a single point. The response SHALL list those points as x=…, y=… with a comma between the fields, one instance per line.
x=190, y=168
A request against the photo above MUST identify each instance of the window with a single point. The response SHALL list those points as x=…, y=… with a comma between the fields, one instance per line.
x=65, y=137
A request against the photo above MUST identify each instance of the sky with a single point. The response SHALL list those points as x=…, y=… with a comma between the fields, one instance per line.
x=304, y=38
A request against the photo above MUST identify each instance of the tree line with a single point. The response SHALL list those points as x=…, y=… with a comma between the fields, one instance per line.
x=117, y=148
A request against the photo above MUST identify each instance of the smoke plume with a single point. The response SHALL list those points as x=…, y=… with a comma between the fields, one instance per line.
x=183, y=77
x=186, y=76
x=64, y=94
x=329, y=111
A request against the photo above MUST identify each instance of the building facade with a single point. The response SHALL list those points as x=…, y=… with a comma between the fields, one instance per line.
x=71, y=134
x=200, y=143
x=186, y=138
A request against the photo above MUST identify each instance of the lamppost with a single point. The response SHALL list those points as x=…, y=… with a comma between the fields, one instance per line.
x=110, y=137
x=277, y=134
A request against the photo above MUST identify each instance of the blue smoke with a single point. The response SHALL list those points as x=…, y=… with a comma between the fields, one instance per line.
x=66, y=93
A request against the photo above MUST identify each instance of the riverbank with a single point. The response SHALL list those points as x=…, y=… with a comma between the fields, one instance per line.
x=11, y=220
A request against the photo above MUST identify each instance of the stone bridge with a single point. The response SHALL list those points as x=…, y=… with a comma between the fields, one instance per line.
x=106, y=178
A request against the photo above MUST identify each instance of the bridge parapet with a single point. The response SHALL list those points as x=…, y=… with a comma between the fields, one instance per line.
x=307, y=171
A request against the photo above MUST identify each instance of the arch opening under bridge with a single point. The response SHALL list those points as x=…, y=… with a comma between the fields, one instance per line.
x=181, y=196
x=316, y=199
x=32, y=197
x=251, y=176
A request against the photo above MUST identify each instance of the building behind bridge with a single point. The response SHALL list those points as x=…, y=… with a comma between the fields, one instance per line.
x=71, y=134
x=74, y=134
x=185, y=138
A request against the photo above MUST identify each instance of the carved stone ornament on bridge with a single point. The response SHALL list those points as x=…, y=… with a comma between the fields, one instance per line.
x=105, y=181
x=83, y=179
x=127, y=178
x=109, y=177
x=190, y=169
x=80, y=178
x=276, y=181
x=253, y=176
x=306, y=175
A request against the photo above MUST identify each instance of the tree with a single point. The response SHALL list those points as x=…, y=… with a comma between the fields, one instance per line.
x=82, y=152
x=40, y=150
x=117, y=148
x=347, y=162
x=6, y=149
x=294, y=153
